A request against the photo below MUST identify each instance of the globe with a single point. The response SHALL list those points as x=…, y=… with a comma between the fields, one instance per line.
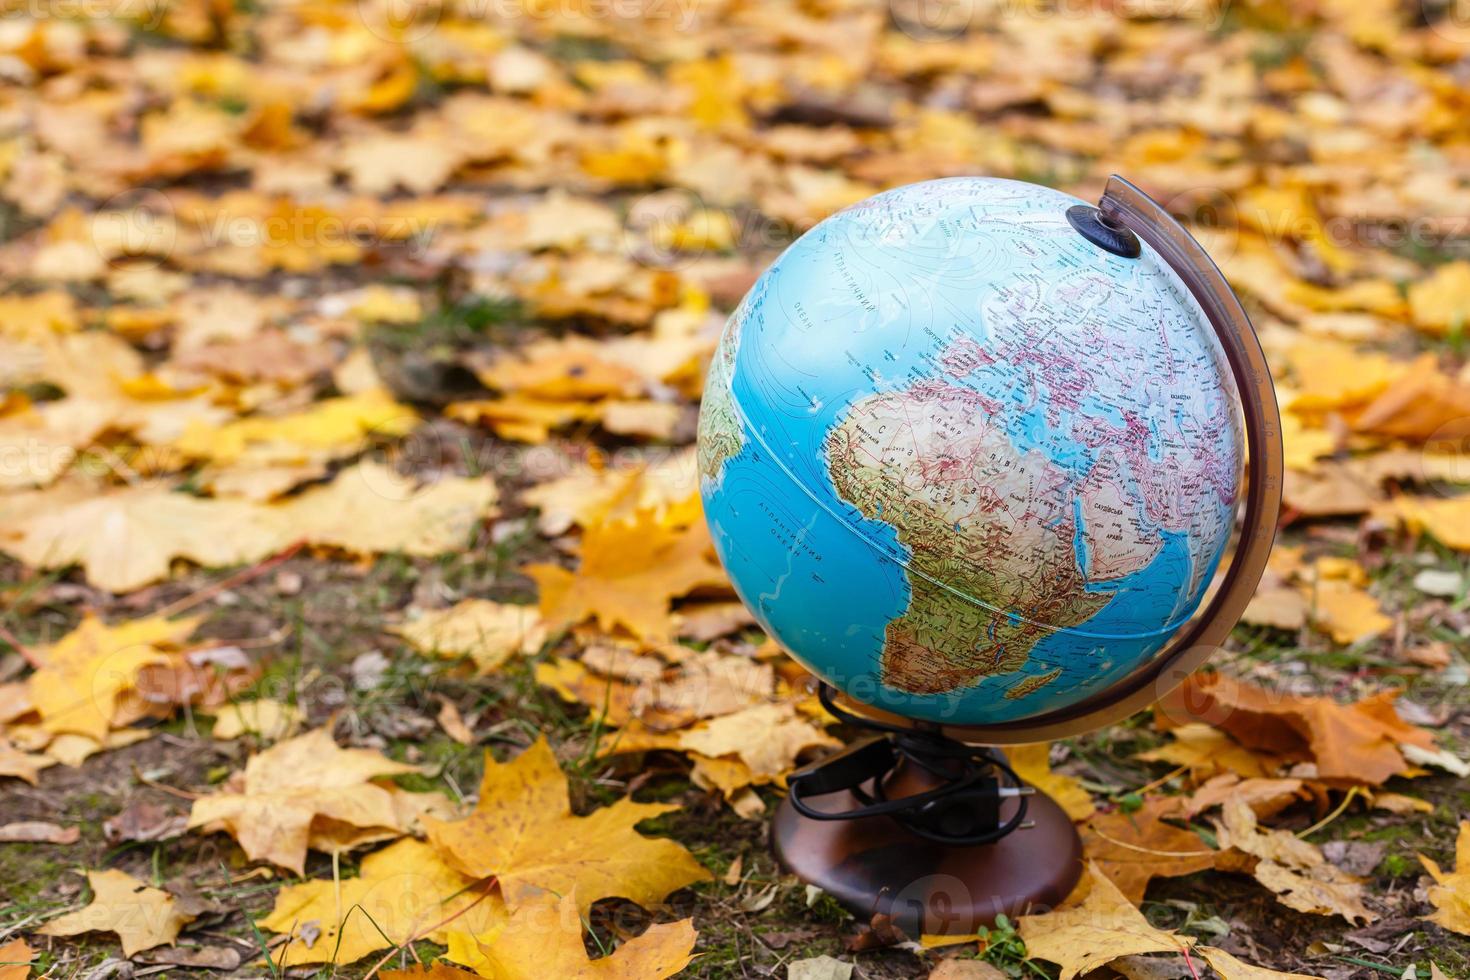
x=964, y=464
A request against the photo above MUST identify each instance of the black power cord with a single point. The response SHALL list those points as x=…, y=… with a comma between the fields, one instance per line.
x=963, y=810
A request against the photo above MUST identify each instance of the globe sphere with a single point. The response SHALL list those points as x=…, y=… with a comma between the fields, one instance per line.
x=961, y=462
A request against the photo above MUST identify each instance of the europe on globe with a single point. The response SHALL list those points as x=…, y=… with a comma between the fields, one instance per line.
x=963, y=463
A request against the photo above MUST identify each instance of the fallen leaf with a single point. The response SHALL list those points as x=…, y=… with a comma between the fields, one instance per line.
x=524, y=833
x=294, y=783
x=144, y=821
x=818, y=968
x=1033, y=764
x=453, y=724
x=196, y=957
x=1266, y=797
x=38, y=832
x=265, y=717
x=1446, y=519
x=142, y=917
x=1351, y=744
x=124, y=539
x=335, y=427
x=1450, y=894
x=1230, y=968
x=402, y=892
x=767, y=738
x=1294, y=869
x=591, y=496
x=543, y=941
x=370, y=509
x=15, y=960
x=82, y=675
x=486, y=632
x=1421, y=404
x=1132, y=849
x=439, y=970
x=1440, y=303
x=1205, y=750
x=629, y=573
x=1091, y=935
x=20, y=764
x=958, y=969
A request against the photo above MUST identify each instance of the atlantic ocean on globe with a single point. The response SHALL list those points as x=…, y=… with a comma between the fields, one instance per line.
x=964, y=464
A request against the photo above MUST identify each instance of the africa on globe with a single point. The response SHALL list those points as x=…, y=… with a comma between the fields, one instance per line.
x=963, y=463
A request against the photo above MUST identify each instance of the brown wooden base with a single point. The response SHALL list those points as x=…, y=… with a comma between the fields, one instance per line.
x=874, y=866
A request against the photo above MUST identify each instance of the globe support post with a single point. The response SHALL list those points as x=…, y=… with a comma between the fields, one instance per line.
x=939, y=836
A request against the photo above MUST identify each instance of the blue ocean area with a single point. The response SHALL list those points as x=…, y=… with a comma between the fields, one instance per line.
x=824, y=580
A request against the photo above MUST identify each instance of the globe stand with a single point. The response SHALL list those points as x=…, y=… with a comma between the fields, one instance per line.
x=939, y=836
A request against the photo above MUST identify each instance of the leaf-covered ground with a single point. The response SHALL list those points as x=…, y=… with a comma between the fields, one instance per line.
x=351, y=355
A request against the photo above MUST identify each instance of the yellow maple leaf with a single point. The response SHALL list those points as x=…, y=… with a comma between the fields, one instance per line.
x=293, y=784
x=487, y=632
x=81, y=676
x=1103, y=928
x=542, y=941
x=524, y=833
x=124, y=539
x=369, y=509
x=593, y=495
x=38, y=315
x=142, y=917
x=401, y=893
x=1447, y=519
x=1230, y=968
x=1340, y=606
x=1450, y=894
x=630, y=572
x=341, y=426
x=1205, y=750
x=1033, y=764
x=1441, y=302
x=1332, y=374
x=265, y=717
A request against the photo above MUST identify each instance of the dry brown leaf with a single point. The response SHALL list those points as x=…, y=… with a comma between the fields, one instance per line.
x=1267, y=797
x=15, y=960
x=21, y=764
x=453, y=724
x=1132, y=849
x=142, y=917
x=524, y=833
x=1351, y=744
x=1292, y=868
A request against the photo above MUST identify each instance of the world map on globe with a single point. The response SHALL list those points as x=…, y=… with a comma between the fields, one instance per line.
x=964, y=464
